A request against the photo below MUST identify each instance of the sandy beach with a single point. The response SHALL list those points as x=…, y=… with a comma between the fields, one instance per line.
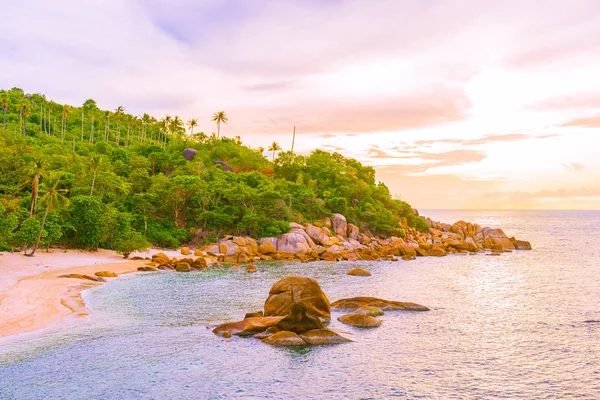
x=32, y=297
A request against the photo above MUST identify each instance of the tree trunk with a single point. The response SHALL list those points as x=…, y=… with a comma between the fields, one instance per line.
x=82, y=126
x=34, y=193
x=93, y=182
x=37, y=243
x=218, y=129
x=5, y=122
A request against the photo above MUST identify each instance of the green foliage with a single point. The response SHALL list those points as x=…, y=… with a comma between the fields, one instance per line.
x=132, y=241
x=147, y=186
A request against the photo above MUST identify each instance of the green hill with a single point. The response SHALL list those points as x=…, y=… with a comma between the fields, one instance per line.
x=96, y=178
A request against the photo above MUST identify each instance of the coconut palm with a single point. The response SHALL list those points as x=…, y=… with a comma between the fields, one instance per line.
x=118, y=114
x=24, y=114
x=53, y=199
x=274, y=147
x=219, y=117
x=145, y=121
x=177, y=125
x=192, y=123
x=94, y=165
x=260, y=150
x=35, y=170
x=65, y=117
x=4, y=105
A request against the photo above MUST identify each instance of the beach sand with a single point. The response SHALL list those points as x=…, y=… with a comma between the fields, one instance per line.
x=32, y=297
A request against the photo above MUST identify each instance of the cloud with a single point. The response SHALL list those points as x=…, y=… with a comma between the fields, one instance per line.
x=573, y=166
x=589, y=122
x=423, y=161
x=509, y=137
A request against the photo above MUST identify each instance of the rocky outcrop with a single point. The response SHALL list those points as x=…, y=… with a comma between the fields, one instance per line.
x=293, y=242
x=248, y=326
x=86, y=277
x=106, y=274
x=354, y=303
x=290, y=290
x=339, y=224
x=284, y=338
x=360, y=320
x=358, y=272
x=299, y=321
x=323, y=337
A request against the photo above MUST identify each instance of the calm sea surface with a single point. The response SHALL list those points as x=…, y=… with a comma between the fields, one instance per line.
x=512, y=326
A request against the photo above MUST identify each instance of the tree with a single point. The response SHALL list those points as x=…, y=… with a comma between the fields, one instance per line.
x=53, y=199
x=118, y=114
x=274, y=147
x=133, y=241
x=35, y=170
x=4, y=105
x=219, y=117
x=192, y=123
x=25, y=114
x=65, y=117
x=94, y=164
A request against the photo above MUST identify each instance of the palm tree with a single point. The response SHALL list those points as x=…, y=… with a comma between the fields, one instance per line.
x=274, y=147
x=118, y=113
x=145, y=121
x=200, y=136
x=177, y=125
x=192, y=123
x=260, y=150
x=95, y=162
x=35, y=170
x=219, y=117
x=24, y=114
x=4, y=104
x=65, y=116
x=53, y=199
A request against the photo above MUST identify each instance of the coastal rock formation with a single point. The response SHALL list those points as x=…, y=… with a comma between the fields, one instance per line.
x=360, y=320
x=106, y=274
x=80, y=276
x=284, y=338
x=358, y=272
x=248, y=326
x=299, y=321
x=323, y=337
x=354, y=303
x=339, y=224
x=290, y=290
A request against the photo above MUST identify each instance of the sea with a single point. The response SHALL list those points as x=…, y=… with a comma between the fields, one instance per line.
x=523, y=325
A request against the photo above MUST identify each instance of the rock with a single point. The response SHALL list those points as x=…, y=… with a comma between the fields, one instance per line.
x=79, y=276
x=317, y=234
x=189, y=153
x=270, y=331
x=292, y=242
x=248, y=326
x=136, y=258
x=354, y=303
x=339, y=224
x=223, y=165
x=437, y=252
x=251, y=268
x=294, y=225
x=360, y=320
x=106, y=274
x=353, y=231
x=147, y=269
x=522, y=245
x=226, y=335
x=235, y=266
x=323, y=336
x=182, y=267
x=185, y=251
x=407, y=257
x=243, y=258
x=298, y=321
x=198, y=252
x=359, y=272
x=267, y=248
x=421, y=252
x=253, y=314
x=369, y=310
x=160, y=258
x=284, y=338
x=305, y=290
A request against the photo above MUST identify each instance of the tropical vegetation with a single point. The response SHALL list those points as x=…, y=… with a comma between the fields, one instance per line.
x=82, y=177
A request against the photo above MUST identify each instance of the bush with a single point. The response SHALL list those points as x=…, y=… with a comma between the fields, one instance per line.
x=133, y=241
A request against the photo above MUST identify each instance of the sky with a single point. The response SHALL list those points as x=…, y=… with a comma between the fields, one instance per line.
x=455, y=103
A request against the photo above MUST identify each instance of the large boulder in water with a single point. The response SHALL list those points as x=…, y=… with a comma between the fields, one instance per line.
x=354, y=303
x=298, y=321
x=189, y=154
x=323, y=336
x=248, y=326
x=284, y=338
x=360, y=320
x=300, y=289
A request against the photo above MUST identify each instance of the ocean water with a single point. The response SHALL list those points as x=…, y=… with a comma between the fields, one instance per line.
x=512, y=326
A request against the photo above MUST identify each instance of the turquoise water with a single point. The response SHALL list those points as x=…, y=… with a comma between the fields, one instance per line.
x=500, y=327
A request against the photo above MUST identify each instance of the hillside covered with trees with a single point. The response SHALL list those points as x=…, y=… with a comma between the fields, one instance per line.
x=88, y=178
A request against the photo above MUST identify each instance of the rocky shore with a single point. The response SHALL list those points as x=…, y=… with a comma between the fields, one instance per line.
x=334, y=239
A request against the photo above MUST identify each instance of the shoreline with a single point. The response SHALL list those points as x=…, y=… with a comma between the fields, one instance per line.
x=34, y=298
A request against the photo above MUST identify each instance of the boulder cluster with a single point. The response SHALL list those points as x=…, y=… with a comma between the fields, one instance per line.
x=296, y=311
x=333, y=239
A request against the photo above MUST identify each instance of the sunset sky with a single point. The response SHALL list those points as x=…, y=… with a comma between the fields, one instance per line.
x=457, y=104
